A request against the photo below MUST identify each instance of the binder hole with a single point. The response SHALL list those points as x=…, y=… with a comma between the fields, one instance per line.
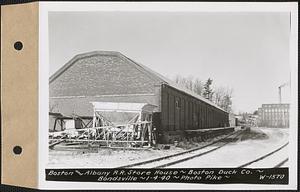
x=18, y=45
x=17, y=150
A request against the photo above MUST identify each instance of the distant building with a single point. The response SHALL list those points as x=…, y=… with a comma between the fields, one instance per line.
x=247, y=119
x=273, y=115
x=232, y=120
x=252, y=120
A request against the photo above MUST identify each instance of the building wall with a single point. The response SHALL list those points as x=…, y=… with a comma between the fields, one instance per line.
x=232, y=120
x=106, y=77
x=51, y=122
x=274, y=115
x=101, y=75
x=180, y=112
x=82, y=105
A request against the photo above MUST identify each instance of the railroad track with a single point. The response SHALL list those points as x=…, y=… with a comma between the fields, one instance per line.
x=281, y=163
x=267, y=155
x=173, y=159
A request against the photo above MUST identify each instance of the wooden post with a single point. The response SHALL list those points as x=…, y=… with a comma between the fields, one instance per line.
x=141, y=129
x=127, y=135
x=150, y=130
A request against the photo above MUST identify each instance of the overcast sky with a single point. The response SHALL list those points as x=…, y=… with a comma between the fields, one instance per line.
x=248, y=52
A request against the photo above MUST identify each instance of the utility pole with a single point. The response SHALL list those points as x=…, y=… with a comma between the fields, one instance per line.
x=280, y=100
x=279, y=90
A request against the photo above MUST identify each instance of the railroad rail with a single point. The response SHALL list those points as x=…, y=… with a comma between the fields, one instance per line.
x=170, y=158
x=267, y=155
x=281, y=163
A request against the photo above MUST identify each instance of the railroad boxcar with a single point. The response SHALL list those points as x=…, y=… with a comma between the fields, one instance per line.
x=107, y=76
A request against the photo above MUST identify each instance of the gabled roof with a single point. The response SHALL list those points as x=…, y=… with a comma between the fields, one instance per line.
x=147, y=71
x=99, y=53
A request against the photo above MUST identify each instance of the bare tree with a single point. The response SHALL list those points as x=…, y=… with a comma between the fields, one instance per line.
x=190, y=83
x=221, y=96
x=198, y=87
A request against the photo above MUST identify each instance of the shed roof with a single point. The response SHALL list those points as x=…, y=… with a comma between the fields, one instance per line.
x=149, y=72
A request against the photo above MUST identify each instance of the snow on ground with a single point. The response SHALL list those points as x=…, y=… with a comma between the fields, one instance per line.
x=259, y=142
x=271, y=160
x=250, y=146
x=104, y=157
x=111, y=158
x=165, y=161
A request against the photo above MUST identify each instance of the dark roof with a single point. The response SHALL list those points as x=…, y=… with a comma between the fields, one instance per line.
x=147, y=71
x=55, y=114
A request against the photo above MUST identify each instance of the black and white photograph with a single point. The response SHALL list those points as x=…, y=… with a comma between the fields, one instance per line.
x=170, y=90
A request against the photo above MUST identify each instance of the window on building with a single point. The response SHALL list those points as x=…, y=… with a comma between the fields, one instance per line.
x=177, y=104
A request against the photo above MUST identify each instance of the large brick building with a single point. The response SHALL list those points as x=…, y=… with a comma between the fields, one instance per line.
x=105, y=76
x=100, y=76
x=273, y=115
